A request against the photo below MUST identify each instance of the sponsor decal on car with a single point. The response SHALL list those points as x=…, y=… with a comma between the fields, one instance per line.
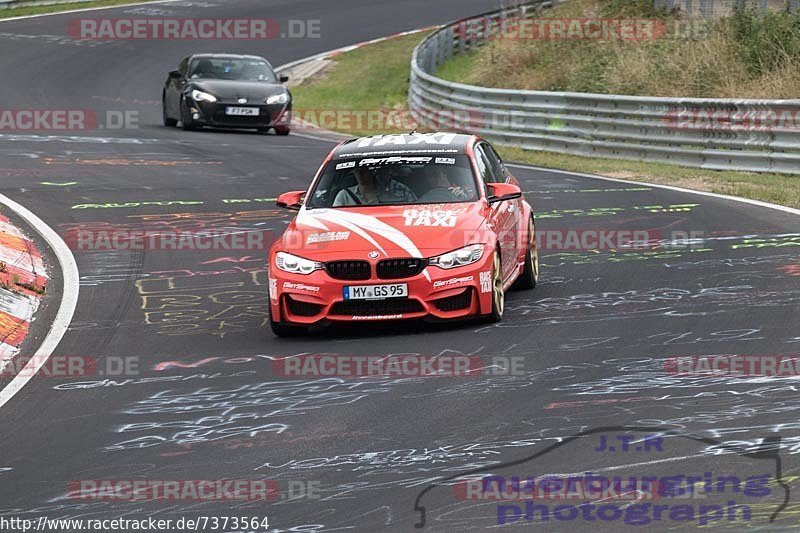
x=445, y=160
x=328, y=236
x=374, y=153
x=453, y=281
x=365, y=226
x=395, y=160
x=430, y=218
x=288, y=285
x=486, y=281
x=348, y=164
x=273, y=289
x=421, y=138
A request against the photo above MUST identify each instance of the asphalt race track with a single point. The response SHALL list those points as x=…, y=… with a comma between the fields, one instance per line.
x=591, y=340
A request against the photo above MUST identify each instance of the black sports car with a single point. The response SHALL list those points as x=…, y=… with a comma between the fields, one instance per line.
x=227, y=91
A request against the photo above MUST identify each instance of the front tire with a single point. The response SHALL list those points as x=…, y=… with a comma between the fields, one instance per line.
x=498, y=294
x=168, y=122
x=187, y=121
x=282, y=131
x=530, y=273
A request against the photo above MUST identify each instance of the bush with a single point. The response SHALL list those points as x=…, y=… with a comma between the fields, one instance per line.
x=766, y=41
x=630, y=8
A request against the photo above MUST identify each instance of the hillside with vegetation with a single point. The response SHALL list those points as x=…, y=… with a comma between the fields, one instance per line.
x=746, y=55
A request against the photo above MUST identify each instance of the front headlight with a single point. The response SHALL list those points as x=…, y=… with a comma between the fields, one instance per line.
x=278, y=98
x=296, y=265
x=458, y=258
x=200, y=96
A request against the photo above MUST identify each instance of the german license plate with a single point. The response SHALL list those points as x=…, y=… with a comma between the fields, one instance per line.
x=375, y=292
x=242, y=111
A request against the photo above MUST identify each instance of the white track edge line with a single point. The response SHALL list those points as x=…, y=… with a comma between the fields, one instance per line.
x=69, y=299
x=349, y=47
x=758, y=203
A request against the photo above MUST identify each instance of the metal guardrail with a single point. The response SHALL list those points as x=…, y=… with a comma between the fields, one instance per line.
x=719, y=134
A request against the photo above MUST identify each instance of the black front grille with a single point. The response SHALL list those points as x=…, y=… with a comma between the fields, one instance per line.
x=455, y=303
x=302, y=308
x=394, y=306
x=349, y=270
x=400, y=268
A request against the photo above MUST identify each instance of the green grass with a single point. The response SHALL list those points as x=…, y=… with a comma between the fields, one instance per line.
x=376, y=77
x=459, y=67
x=775, y=188
x=371, y=78
x=55, y=8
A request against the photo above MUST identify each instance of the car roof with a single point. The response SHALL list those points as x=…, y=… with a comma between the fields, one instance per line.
x=226, y=56
x=411, y=143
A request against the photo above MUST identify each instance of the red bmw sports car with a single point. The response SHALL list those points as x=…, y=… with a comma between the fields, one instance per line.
x=395, y=227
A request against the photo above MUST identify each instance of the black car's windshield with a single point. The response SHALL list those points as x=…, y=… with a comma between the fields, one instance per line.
x=231, y=69
x=395, y=180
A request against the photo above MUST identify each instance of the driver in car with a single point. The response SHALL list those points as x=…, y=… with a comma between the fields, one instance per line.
x=440, y=189
x=203, y=69
x=371, y=190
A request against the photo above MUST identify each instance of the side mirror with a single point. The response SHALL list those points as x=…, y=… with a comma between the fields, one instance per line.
x=175, y=74
x=501, y=192
x=291, y=200
x=284, y=78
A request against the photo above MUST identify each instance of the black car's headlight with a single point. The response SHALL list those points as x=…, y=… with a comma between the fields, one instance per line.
x=458, y=258
x=297, y=265
x=281, y=98
x=200, y=96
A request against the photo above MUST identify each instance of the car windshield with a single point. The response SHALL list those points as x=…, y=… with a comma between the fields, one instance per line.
x=395, y=180
x=231, y=69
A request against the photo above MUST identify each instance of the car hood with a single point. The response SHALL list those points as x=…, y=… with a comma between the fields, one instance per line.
x=231, y=89
x=390, y=231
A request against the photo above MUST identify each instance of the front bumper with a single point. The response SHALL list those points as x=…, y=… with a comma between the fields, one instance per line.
x=214, y=114
x=434, y=294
